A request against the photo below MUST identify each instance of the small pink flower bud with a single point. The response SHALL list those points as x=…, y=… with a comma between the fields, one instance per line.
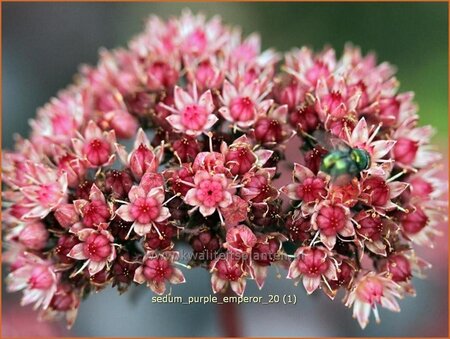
x=399, y=267
x=161, y=75
x=118, y=183
x=405, y=150
x=66, y=215
x=205, y=245
x=123, y=123
x=240, y=239
x=240, y=159
x=313, y=158
x=161, y=238
x=141, y=160
x=64, y=246
x=377, y=190
x=304, y=118
x=268, y=130
x=34, y=235
x=264, y=252
x=186, y=148
x=414, y=221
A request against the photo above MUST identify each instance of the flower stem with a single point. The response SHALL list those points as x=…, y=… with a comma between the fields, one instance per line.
x=229, y=319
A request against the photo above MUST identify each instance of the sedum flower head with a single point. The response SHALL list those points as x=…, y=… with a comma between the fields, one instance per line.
x=183, y=135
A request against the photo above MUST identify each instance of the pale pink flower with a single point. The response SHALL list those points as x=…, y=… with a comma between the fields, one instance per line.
x=258, y=187
x=144, y=210
x=96, y=248
x=374, y=231
x=419, y=224
x=192, y=115
x=37, y=278
x=309, y=68
x=272, y=128
x=378, y=192
x=156, y=269
x=333, y=101
x=65, y=303
x=46, y=190
x=209, y=192
x=264, y=253
x=402, y=266
x=95, y=146
x=368, y=291
x=332, y=220
x=312, y=265
x=228, y=270
x=243, y=104
x=58, y=121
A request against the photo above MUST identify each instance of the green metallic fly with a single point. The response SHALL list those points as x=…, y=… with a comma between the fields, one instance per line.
x=342, y=163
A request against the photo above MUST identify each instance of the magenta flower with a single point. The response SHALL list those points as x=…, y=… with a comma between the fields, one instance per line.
x=192, y=115
x=144, y=209
x=96, y=248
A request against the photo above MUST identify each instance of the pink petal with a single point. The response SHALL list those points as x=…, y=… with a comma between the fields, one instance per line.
x=158, y=287
x=302, y=172
x=92, y=131
x=175, y=121
x=96, y=266
x=139, y=276
x=294, y=272
x=361, y=312
x=141, y=229
x=381, y=147
x=182, y=98
x=360, y=134
x=77, y=252
x=124, y=213
x=396, y=188
x=190, y=197
x=311, y=284
x=217, y=284
x=96, y=194
x=238, y=286
x=328, y=241
x=206, y=100
x=177, y=277
x=164, y=214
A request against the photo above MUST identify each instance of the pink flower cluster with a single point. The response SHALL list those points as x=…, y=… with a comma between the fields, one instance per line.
x=182, y=136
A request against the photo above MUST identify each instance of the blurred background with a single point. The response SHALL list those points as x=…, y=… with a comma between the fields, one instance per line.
x=43, y=45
